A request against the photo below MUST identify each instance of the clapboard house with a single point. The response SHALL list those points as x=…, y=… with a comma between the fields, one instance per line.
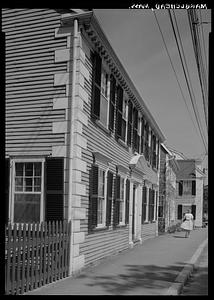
x=190, y=189
x=81, y=145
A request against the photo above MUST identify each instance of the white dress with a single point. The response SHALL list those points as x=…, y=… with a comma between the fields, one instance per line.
x=188, y=223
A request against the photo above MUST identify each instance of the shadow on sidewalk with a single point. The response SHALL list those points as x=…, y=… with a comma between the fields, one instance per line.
x=134, y=277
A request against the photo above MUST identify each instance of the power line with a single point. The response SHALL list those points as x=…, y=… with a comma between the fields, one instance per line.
x=203, y=41
x=193, y=20
x=188, y=86
x=174, y=70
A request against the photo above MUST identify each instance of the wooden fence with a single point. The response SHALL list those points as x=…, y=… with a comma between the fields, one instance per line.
x=35, y=255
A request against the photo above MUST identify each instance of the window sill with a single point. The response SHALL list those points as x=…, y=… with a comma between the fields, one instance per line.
x=100, y=228
x=122, y=143
x=121, y=226
x=101, y=126
x=146, y=222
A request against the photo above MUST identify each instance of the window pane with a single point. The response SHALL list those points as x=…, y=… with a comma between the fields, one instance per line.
x=103, y=110
x=100, y=211
x=19, y=184
x=28, y=184
x=101, y=183
x=26, y=208
x=37, y=169
x=19, y=169
x=121, y=211
x=29, y=169
x=37, y=184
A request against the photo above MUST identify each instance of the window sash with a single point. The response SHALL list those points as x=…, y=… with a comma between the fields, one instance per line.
x=102, y=196
x=37, y=212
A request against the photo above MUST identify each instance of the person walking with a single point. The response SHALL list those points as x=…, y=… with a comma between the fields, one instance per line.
x=187, y=224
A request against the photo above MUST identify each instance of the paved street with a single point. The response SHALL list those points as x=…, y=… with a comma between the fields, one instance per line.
x=198, y=282
x=147, y=269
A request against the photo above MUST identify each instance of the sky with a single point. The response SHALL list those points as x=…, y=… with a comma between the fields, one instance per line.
x=136, y=39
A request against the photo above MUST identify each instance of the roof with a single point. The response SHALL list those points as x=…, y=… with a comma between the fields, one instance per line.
x=187, y=169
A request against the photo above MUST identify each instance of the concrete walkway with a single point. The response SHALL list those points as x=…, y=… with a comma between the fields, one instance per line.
x=160, y=266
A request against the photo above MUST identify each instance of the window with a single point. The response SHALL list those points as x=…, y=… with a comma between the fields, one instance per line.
x=187, y=187
x=124, y=121
x=27, y=195
x=100, y=201
x=101, y=198
x=101, y=91
x=122, y=202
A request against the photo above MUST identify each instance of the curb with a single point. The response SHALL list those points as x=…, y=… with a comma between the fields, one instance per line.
x=181, y=279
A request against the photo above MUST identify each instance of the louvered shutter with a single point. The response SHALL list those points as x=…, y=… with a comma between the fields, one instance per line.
x=193, y=187
x=54, y=188
x=142, y=135
x=109, y=198
x=135, y=129
x=116, y=208
x=127, y=201
x=119, y=112
x=97, y=65
x=112, y=102
x=144, y=192
x=180, y=188
x=193, y=211
x=129, y=131
x=93, y=196
x=6, y=186
x=179, y=212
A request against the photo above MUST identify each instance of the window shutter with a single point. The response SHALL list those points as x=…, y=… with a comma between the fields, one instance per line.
x=129, y=131
x=180, y=188
x=97, y=64
x=116, y=201
x=143, y=216
x=127, y=201
x=112, y=102
x=6, y=186
x=119, y=112
x=135, y=127
x=193, y=211
x=142, y=135
x=54, y=187
x=179, y=211
x=193, y=187
x=93, y=195
x=109, y=198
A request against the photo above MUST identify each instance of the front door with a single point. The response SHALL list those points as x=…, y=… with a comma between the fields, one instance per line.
x=133, y=213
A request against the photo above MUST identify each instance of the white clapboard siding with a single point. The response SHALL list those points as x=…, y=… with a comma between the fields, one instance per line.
x=100, y=244
x=30, y=68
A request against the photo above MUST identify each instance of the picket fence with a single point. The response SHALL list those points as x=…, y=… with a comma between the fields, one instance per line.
x=35, y=254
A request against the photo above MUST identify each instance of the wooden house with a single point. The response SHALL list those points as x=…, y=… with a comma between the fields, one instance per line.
x=81, y=145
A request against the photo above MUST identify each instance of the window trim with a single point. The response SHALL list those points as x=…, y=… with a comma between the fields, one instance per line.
x=122, y=176
x=105, y=169
x=12, y=180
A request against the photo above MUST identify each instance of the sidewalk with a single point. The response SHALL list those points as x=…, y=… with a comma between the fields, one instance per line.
x=148, y=269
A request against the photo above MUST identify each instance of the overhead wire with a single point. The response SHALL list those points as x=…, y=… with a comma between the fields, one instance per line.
x=192, y=18
x=203, y=41
x=188, y=85
x=174, y=71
